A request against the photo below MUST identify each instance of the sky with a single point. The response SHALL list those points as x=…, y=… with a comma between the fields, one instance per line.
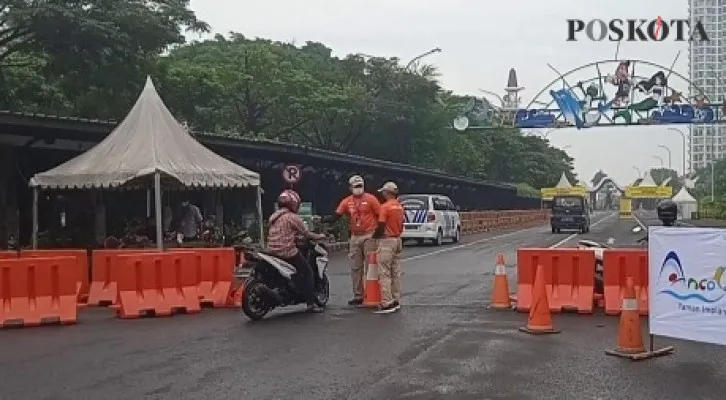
x=480, y=41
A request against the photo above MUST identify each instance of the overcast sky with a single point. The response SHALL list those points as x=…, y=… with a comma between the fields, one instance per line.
x=481, y=40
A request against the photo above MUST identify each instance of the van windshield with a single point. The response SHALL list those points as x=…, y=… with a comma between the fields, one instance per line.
x=413, y=202
x=568, y=203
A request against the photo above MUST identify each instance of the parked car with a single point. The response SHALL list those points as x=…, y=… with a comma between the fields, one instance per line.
x=430, y=217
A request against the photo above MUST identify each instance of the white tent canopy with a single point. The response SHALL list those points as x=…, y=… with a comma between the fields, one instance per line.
x=564, y=182
x=149, y=140
x=647, y=180
x=687, y=204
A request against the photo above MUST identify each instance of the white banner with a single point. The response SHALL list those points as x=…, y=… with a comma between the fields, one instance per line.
x=687, y=284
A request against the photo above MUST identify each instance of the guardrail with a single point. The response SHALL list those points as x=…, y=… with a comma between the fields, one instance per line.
x=484, y=221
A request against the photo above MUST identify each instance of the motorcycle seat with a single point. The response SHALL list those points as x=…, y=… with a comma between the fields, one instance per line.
x=278, y=260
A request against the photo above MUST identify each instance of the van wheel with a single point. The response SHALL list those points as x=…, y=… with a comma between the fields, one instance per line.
x=439, y=238
x=457, y=235
x=554, y=230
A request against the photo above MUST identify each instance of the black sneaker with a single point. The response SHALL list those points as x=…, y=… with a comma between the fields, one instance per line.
x=391, y=308
x=355, y=302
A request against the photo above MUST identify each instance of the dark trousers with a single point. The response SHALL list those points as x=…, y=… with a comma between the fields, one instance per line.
x=304, y=277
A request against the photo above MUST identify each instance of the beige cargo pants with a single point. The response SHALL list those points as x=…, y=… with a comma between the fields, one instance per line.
x=359, y=247
x=389, y=269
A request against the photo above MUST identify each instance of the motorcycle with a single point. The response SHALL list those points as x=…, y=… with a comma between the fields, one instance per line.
x=599, y=250
x=271, y=282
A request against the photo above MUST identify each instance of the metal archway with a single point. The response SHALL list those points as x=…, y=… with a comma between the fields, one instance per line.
x=638, y=100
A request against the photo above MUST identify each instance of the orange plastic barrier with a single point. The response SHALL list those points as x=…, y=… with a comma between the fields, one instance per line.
x=34, y=291
x=214, y=273
x=618, y=265
x=81, y=257
x=104, y=264
x=569, y=278
x=8, y=254
x=157, y=283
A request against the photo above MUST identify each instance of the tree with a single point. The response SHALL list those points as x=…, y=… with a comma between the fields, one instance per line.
x=91, y=50
x=660, y=175
x=237, y=86
x=599, y=176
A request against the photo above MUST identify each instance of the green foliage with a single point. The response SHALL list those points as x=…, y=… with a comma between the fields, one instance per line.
x=599, y=176
x=525, y=190
x=660, y=175
x=94, y=53
x=703, y=184
x=233, y=85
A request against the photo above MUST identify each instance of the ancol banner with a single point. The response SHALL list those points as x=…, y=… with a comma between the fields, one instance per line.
x=687, y=283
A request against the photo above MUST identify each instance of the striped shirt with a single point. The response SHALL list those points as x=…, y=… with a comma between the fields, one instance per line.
x=285, y=226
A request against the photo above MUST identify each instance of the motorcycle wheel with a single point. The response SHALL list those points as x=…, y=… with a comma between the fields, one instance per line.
x=253, y=303
x=322, y=291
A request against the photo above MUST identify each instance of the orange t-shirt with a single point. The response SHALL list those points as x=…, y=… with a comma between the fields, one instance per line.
x=392, y=216
x=363, y=212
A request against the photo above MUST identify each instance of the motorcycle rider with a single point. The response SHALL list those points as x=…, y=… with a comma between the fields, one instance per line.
x=284, y=228
x=667, y=212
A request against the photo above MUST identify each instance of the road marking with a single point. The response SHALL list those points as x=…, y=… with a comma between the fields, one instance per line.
x=642, y=225
x=567, y=239
x=461, y=246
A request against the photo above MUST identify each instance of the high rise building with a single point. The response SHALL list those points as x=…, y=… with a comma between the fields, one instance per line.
x=707, y=72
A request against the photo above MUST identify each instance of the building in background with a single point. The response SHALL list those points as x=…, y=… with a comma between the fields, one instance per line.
x=707, y=71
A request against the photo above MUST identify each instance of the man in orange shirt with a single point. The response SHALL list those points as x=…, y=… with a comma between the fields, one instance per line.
x=362, y=210
x=389, y=230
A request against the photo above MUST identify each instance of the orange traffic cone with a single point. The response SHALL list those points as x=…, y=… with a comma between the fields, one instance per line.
x=500, y=293
x=630, y=337
x=540, y=319
x=372, y=288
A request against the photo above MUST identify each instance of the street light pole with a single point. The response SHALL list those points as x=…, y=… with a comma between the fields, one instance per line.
x=420, y=56
x=666, y=148
x=713, y=197
x=659, y=158
x=683, y=136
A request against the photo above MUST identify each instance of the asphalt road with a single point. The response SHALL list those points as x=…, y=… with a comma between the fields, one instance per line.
x=443, y=344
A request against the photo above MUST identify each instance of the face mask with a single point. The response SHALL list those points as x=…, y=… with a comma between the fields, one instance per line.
x=357, y=191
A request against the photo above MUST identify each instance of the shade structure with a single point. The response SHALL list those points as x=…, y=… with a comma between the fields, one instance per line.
x=647, y=180
x=564, y=182
x=687, y=204
x=147, y=142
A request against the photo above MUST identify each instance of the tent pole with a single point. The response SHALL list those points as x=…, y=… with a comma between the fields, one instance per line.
x=260, y=219
x=157, y=211
x=35, y=218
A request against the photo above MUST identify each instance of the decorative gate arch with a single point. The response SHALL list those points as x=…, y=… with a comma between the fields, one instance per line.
x=631, y=92
x=604, y=181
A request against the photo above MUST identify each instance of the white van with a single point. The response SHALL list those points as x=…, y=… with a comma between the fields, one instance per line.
x=430, y=217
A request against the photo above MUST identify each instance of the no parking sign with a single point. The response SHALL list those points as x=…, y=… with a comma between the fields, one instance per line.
x=291, y=174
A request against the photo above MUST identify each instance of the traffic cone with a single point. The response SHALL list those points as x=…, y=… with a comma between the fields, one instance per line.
x=630, y=337
x=540, y=319
x=372, y=288
x=500, y=293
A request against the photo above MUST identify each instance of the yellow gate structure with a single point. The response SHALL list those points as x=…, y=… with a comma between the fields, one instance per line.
x=641, y=192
